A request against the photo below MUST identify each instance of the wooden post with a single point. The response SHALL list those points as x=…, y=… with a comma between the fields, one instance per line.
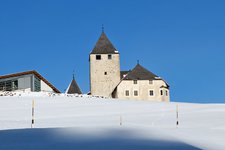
x=177, y=123
x=32, y=122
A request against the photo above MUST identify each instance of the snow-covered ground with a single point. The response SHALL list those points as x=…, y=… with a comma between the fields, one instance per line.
x=83, y=122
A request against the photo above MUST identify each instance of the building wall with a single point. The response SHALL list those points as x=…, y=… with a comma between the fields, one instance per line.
x=45, y=87
x=143, y=87
x=25, y=82
x=101, y=84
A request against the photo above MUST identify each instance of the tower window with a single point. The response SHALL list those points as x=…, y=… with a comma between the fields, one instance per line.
x=98, y=57
x=151, y=93
x=135, y=93
x=110, y=56
x=105, y=73
x=127, y=93
x=135, y=81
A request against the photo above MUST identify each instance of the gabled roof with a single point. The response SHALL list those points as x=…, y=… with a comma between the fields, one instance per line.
x=104, y=46
x=73, y=88
x=140, y=73
x=31, y=72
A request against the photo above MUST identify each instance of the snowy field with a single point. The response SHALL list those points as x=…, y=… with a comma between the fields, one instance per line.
x=63, y=122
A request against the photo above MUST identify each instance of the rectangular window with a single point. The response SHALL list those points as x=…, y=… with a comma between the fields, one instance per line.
x=135, y=81
x=15, y=85
x=8, y=85
x=161, y=92
x=37, y=84
x=98, y=57
x=151, y=93
x=150, y=82
x=166, y=93
x=105, y=73
x=2, y=86
x=110, y=56
x=135, y=93
x=127, y=93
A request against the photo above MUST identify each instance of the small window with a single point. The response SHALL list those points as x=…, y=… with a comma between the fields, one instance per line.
x=135, y=81
x=161, y=92
x=150, y=82
x=110, y=56
x=151, y=93
x=135, y=93
x=127, y=93
x=166, y=93
x=98, y=57
x=105, y=73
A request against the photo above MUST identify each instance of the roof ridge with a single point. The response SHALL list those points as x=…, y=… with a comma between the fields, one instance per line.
x=140, y=73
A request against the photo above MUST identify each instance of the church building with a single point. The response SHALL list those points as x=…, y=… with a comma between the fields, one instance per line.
x=107, y=80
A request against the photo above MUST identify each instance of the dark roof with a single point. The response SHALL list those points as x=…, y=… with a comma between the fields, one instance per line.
x=73, y=88
x=104, y=46
x=31, y=72
x=122, y=73
x=140, y=73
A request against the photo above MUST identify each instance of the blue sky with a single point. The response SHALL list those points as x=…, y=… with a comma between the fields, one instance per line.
x=181, y=41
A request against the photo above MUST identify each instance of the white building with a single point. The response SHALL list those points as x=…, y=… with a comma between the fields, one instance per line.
x=107, y=80
x=29, y=81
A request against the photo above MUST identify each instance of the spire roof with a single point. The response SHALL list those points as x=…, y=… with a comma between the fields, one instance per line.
x=104, y=46
x=73, y=88
x=140, y=73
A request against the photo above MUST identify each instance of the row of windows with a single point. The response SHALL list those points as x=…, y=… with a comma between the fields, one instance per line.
x=151, y=92
x=9, y=85
x=136, y=82
x=99, y=57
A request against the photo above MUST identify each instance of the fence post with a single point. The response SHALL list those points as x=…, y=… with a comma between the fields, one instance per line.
x=177, y=123
x=121, y=120
x=32, y=122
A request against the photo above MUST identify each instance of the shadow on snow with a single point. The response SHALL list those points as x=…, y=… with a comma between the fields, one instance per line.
x=36, y=139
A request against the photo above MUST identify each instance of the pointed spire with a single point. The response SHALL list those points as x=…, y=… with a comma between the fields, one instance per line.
x=73, y=88
x=104, y=46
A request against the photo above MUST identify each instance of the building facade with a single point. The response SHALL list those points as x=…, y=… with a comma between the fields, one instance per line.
x=141, y=84
x=107, y=80
x=29, y=81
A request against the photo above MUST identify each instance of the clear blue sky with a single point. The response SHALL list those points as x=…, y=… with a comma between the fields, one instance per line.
x=182, y=41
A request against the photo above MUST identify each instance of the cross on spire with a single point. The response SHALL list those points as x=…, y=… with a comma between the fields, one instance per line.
x=137, y=61
x=73, y=75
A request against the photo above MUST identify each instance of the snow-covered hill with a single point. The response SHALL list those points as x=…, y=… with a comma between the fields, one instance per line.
x=69, y=121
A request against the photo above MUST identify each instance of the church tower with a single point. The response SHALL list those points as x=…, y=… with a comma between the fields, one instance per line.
x=104, y=67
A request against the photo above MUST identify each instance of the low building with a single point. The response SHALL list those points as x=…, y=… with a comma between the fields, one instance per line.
x=141, y=84
x=29, y=81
